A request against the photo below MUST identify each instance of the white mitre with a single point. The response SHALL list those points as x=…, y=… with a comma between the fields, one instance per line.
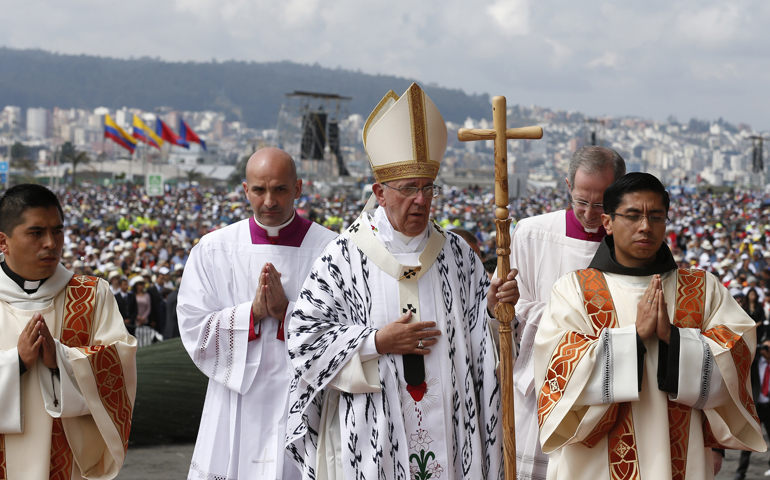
x=405, y=137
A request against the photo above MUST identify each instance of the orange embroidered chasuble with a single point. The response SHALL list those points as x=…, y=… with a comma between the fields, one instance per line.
x=595, y=422
x=76, y=424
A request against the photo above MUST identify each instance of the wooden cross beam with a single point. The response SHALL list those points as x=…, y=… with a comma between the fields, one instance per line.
x=504, y=312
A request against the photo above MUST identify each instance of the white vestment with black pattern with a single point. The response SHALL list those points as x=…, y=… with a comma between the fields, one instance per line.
x=354, y=417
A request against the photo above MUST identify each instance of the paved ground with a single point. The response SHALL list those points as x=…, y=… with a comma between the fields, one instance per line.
x=757, y=466
x=171, y=462
x=162, y=462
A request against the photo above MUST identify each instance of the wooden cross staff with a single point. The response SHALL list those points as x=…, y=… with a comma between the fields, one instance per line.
x=504, y=312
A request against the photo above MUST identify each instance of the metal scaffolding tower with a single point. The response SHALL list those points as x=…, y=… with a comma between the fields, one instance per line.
x=595, y=131
x=308, y=128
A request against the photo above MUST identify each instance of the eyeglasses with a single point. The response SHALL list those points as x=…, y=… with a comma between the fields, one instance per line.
x=581, y=204
x=429, y=191
x=636, y=218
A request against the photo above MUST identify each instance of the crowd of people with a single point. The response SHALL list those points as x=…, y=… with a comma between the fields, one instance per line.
x=140, y=244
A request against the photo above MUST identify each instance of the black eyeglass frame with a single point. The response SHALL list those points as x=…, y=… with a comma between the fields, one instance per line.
x=658, y=220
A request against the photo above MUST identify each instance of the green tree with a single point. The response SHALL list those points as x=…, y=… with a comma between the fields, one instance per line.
x=71, y=155
x=194, y=176
x=22, y=163
x=19, y=151
x=68, y=150
x=236, y=178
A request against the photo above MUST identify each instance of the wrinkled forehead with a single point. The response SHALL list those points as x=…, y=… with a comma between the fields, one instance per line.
x=272, y=179
x=411, y=182
x=592, y=183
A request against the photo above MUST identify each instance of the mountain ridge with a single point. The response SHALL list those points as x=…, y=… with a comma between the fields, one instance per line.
x=249, y=91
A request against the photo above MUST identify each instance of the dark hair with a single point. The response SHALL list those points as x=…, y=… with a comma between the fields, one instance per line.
x=752, y=289
x=490, y=265
x=20, y=198
x=467, y=236
x=631, y=183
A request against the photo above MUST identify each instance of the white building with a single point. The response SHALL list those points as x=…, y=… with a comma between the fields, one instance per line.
x=39, y=123
x=11, y=117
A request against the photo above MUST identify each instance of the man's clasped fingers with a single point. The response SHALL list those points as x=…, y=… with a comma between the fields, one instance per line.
x=48, y=346
x=30, y=341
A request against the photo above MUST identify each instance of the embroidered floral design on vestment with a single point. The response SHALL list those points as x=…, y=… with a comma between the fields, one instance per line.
x=422, y=471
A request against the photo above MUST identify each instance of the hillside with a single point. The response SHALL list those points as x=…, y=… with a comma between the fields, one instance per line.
x=248, y=91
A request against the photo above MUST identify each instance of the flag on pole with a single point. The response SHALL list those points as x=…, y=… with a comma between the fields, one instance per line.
x=143, y=133
x=164, y=131
x=118, y=135
x=189, y=135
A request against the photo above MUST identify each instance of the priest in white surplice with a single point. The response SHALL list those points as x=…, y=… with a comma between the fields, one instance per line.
x=67, y=363
x=395, y=364
x=642, y=368
x=238, y=287
x=544, y=248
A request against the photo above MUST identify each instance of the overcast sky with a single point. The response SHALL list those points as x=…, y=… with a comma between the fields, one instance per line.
x=649, y=58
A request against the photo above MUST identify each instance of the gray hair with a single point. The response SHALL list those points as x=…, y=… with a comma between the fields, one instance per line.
x=595, y=159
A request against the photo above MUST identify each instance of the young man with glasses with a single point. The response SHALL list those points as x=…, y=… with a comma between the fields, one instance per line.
x=394, y=361
x=642, y=368
x=543, y=248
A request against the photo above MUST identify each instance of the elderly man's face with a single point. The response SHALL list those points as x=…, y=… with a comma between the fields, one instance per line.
x=589, y=188
x=407, y=215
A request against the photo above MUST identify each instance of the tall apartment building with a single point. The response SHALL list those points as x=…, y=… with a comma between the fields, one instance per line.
x=39, y=123
x=11, y=118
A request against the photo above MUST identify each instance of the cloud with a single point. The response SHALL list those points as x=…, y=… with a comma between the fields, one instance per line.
x=512, y=16
x=653, y=58
x=298, y=12
x=609, y=59
x=561, y=53
x=712, y=26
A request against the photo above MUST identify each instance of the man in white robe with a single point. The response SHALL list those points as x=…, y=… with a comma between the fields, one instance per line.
x=543, y=248
x=67, y=363
x=642, y=368
x=238, y=286
x=395, y=365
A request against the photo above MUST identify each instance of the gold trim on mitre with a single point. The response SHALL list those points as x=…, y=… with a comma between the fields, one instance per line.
x=408, y=169
x=387, y=101
x=419, y=125
x=405, y=137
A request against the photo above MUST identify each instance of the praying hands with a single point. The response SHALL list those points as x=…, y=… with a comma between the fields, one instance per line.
x=270, y=299
x=652, y=313
x=36, y=340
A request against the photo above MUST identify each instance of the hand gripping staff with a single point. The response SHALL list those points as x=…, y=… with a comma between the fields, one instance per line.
x=504, y=312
